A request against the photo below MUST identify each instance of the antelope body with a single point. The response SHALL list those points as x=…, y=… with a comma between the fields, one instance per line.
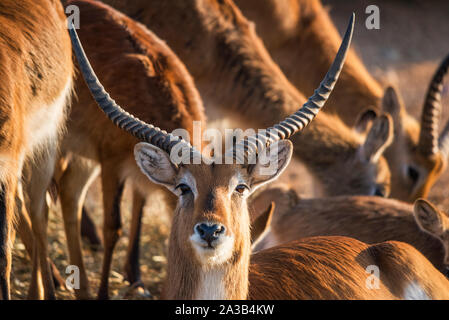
x=36, y=71
x=368, y=219
x=210, y=242
x=336, y=268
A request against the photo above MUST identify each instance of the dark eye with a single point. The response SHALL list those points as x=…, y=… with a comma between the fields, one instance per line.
x=185, y=189
x=241, y=188
x=379, y=192
x=413, y=174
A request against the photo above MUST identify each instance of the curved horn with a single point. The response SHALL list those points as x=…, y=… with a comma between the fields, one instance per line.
x=121, y=118
x=300, y=119
x=428, y=139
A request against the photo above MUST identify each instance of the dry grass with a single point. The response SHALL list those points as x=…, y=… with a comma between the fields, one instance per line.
x=154, y=245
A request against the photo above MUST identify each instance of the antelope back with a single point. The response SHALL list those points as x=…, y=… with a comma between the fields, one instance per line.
x=312, y=266
x=368, y=219
x=35, y=48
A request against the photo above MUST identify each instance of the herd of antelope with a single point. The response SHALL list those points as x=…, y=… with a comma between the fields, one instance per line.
x=101, y=100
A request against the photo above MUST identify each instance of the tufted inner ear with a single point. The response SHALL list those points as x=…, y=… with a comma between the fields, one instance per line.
x=270, y=163
x=156, y=164
x=429, y=218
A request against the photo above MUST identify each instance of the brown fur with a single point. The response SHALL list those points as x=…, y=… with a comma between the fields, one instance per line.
x=434, y=222
x=402, y=155
x=35, y=60
x=334, y=268
x=260, y=226
x=148, y=80
x=302, y=39
x=184, y=269
x=236, y=76
x=313, y=268
x=368, y=219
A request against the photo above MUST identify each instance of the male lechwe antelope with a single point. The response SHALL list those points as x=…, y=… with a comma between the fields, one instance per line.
x=146, y=76
x=343, y=160
x=36, y=70
x=237, y=77
x=302, y=39
x=209, y=251
x=365, y=218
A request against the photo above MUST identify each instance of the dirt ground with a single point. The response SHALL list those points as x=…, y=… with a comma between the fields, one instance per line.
x=413, y=38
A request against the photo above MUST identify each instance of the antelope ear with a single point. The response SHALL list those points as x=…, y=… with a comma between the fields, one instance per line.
x=155, y=164
x=270, y=163
x=365, y=119
x=261, y=225
x=393, y=105
x=378, y=139
x=429, y=218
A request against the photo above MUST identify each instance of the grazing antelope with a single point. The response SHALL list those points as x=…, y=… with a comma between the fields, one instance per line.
x=236, y=76
x=36, y=71
x=302, y=39
x=158, y=89
x=209, y=251
x=365, y=218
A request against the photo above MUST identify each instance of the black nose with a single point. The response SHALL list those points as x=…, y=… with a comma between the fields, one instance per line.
x=210, y=232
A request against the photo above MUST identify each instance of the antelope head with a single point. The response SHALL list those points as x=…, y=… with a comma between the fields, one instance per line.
x=435, y=223
x=210, y=234
x=418, y=154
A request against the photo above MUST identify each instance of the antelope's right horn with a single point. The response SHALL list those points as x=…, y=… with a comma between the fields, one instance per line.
x=300, y=119
x=121, y=118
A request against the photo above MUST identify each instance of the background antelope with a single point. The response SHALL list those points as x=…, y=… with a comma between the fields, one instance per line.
x=158, y=89
x=368, y=219
x=36, y=71
x=209, y=254
x=302, y=39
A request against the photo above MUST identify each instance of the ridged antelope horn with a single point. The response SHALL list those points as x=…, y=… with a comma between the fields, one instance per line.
x=249, y=147
x=428, y=139
x=139, y=129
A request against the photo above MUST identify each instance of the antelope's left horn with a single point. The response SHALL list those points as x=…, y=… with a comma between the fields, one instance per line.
x=248, y=147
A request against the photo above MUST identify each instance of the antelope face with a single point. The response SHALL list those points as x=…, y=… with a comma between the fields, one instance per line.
x=363, y=170
x=436, y=223
x=413, y=172
x=211, y=222
x=418, y=154
x=366, y=177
